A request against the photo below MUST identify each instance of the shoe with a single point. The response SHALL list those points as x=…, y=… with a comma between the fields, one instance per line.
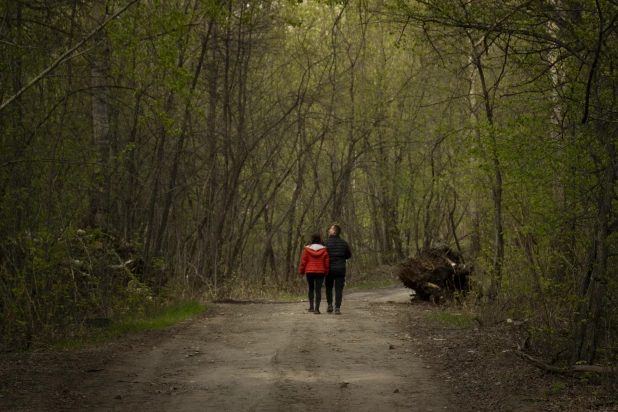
x=310, y=310
x=317, y=312
x=337, y=311
x=329, y=309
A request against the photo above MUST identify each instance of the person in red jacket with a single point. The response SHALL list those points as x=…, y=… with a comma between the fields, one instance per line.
x=314, y=264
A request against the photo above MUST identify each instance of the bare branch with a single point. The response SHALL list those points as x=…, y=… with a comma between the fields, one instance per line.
x=63, y=57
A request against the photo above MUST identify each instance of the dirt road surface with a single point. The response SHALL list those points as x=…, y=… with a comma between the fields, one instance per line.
x=382, y=354
x=274, y=357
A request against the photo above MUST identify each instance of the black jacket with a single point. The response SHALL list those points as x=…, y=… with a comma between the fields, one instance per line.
x=338, y=252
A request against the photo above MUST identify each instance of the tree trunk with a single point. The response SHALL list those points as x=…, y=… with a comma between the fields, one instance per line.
x=179, y=147
x=475, y=236
x=132, y=172
x=592, y=309
x=496, y=281
x=99, y=73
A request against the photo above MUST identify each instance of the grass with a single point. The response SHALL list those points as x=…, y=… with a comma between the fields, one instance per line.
x=556, y=388
x=292, y=298
x=165, y=317
x=373, y=285
x=362, y=286
x=455, y=320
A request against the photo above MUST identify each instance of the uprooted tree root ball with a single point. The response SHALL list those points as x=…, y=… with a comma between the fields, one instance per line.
x=436, y=274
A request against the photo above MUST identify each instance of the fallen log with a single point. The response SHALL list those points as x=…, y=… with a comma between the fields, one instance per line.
x=436, y=275
x=573, y=370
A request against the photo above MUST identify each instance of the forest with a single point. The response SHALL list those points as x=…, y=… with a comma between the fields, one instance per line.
x=158, y=150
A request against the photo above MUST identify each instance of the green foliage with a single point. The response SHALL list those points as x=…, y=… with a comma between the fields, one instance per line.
x=235, y=129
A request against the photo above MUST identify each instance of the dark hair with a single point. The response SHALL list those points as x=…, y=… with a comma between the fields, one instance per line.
x=337, y=229
x=317, y=238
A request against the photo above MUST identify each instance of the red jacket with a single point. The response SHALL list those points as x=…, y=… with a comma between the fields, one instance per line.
x=314, y=260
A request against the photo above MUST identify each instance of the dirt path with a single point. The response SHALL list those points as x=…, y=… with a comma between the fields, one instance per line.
x=382, y=354
x=274, y=357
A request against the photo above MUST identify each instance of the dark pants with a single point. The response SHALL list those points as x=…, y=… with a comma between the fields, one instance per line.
x=337, y=280
x=315, y=281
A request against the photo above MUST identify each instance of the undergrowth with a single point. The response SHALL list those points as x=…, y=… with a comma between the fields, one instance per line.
x=161, y=319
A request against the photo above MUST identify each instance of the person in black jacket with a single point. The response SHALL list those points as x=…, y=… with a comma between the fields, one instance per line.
x=338, y=252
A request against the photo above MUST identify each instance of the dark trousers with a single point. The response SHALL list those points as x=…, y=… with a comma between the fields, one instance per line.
x=339, y=282
x=315, y=281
